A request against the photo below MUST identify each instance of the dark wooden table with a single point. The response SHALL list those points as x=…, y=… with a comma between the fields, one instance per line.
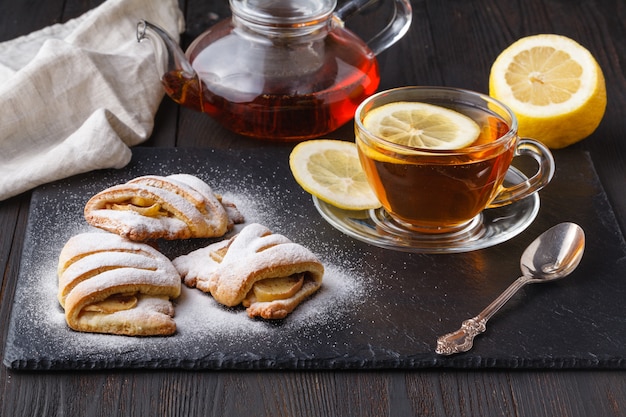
x=450, y=43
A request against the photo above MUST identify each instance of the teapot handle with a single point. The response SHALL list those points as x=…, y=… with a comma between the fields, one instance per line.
x=395, y=29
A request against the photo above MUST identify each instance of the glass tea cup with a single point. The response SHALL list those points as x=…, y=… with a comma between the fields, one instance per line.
x=433, y=191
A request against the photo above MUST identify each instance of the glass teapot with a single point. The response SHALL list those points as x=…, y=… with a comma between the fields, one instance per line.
x=278, y=69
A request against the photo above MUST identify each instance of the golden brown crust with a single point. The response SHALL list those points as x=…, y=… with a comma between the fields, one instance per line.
x=178, y=206
x=108, y=284
x=252, y=255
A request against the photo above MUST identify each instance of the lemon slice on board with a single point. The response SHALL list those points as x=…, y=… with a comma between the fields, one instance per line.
x=554, y=86
x=331, y=171
x=421, y=125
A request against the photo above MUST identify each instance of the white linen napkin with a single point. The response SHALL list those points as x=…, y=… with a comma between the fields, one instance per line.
x=75, y=96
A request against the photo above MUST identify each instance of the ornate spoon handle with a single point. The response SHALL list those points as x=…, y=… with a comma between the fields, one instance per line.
x=462, y=340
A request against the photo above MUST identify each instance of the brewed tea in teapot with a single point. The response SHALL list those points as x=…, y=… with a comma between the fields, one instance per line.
x=278, y=69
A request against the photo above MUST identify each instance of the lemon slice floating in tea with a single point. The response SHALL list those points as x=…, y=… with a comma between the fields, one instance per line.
x=421, y=125
x=331, y=171
x=554, y=86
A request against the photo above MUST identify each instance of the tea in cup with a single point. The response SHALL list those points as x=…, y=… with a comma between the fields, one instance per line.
x=436, y=157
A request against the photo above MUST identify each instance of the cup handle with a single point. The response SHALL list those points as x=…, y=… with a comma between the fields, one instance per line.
x=545, y=171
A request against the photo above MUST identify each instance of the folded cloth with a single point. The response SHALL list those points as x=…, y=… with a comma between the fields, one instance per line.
x=75, y=96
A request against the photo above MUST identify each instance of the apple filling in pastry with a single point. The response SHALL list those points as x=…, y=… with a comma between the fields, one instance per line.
x=262, y=271
x=140, y=205
x=116, y=302
x=151, y=207
x=271, y=289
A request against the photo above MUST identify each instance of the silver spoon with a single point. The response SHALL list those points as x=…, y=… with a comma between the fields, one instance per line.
x=553, y=255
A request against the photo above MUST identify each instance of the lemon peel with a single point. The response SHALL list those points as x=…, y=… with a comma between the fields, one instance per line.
x=421, y=125
x=331, y=171
x=554, y=86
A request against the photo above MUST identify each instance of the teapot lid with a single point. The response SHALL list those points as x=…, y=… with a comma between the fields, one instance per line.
x=283, y=12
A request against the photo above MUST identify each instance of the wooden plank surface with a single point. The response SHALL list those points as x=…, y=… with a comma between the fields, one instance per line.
x=451, y=43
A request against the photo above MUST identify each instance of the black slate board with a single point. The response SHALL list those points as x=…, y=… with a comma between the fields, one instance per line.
x=403, y=301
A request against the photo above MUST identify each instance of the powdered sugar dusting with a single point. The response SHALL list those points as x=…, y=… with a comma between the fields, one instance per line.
x=197, y=313
x=206, y=330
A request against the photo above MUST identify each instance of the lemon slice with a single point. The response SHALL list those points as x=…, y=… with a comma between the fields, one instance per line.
x=421, y=125
x=554, y=86
x=331, y=171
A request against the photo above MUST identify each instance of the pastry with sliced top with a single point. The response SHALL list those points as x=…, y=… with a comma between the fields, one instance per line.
x=108, y=284
x=179, y=206
x=263, y=271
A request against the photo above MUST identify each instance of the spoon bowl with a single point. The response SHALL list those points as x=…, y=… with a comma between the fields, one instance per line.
x=555, y=253
x=551, y=256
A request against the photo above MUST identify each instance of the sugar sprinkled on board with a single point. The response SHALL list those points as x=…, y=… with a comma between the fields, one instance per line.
x=197, y=312
x=202, y=324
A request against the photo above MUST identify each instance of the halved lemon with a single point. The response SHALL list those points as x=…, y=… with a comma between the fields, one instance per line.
x=421, y=125
x=331, y=171
x=554, y=86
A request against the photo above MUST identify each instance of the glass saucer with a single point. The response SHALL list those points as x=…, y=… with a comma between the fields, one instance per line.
x=493, y=226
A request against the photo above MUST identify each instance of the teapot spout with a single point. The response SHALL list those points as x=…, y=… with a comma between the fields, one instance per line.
x=179, y=79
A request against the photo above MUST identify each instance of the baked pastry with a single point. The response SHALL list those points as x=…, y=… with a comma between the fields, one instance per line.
x=178, y=206
x=265, y=272
x=108, y=284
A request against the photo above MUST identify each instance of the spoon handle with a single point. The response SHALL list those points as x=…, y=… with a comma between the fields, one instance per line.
x=462, y=340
